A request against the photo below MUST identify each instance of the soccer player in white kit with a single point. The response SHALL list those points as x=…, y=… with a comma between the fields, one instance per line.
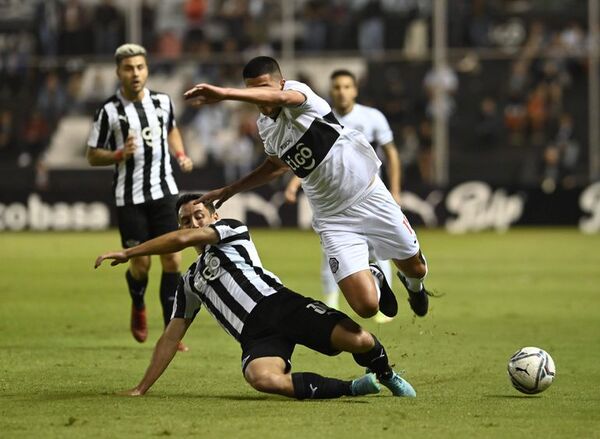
x=373, y=124
x=353, y=212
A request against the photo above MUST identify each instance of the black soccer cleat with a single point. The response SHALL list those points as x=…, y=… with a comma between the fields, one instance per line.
x=388, y=305
x=419, y=302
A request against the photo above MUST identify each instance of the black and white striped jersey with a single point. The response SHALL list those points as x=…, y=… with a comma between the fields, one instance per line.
x=336, y=164
x=148, y=175
x=227, y=278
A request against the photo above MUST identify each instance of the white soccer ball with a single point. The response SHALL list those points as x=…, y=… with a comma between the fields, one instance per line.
x=531, y=370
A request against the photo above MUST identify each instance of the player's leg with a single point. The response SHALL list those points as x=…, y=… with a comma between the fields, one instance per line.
x=348, y=259
x=163, y=219
x=391, y=236
x=268, y=341
x=133, y=227
x=329, y=287
x=412, y=272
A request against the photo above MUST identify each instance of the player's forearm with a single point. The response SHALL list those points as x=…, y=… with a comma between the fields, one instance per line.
x=260, y=96
x=170, y=242
x=266, y=172
x=165, y=350
x=175, y=142
x=393, y=168
x=101, y=157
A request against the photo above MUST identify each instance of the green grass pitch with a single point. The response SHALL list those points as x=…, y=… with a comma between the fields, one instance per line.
x=65, y=346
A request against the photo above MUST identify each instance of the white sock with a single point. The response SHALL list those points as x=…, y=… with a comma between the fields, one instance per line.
x=414, y=284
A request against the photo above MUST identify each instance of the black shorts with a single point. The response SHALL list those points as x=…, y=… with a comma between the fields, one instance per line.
x=281, y=321
x=141, y=222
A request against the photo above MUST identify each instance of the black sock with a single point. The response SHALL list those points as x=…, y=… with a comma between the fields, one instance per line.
x=376, y=360
x=309, y=385
x=137, y=288
x=168, y=286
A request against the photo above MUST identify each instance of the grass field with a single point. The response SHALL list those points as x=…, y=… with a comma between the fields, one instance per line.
x=65, y=346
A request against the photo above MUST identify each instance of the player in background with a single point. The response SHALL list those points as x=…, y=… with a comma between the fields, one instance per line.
x=135, y=131
x=251, y=304
x=373, y=124
x=354, y=214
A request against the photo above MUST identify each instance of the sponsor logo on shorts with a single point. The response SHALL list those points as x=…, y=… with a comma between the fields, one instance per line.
x=131, y=243
x=334, y=265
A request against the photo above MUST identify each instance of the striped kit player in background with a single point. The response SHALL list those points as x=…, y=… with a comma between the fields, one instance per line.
x=135, y=131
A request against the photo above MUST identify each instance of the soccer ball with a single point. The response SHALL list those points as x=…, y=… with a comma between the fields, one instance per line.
x=531, y=370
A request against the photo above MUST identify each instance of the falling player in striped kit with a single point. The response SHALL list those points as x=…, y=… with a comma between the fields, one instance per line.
x=135, y=131
x=373, y=124
x=354, y=214
x=253, y=306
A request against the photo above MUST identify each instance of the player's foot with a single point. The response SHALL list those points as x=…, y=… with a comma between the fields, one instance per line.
x=181, y=347
x=388, y=304
x=365, y=385
x=332, y=300
x=382, y=318
x=398, y=385
x=419, y=301
x=139, y=327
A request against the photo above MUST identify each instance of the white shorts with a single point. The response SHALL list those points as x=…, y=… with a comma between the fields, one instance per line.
x=374, y=228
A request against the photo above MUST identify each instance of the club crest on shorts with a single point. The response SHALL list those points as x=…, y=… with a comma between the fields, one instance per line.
x=334, y=265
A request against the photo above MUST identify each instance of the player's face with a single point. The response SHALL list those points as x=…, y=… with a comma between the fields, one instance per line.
x=195, y=216
x=343, y=93
x=133, y=73
x=269, y=81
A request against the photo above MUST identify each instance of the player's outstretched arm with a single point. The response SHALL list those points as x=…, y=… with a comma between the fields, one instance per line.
x=168, y=243
x=164, y=351
x=270, y=169
x=202, y=94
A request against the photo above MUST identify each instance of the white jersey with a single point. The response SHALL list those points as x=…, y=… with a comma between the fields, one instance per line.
x=369, y=121
x=336, y=164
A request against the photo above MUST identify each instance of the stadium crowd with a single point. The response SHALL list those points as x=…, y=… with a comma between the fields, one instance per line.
x=525, y=100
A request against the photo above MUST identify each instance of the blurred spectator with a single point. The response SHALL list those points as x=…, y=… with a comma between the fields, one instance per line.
x=47, y=23
x=35, y=138
x=515, y=120
x=537, y=113
x=371, y=29
x=7, y=131
x=444, y=81
x=315, y=26
x=148, y=14
x=426, y=158
x=75, y=36
x=488, y=131
x=560, y=157
x=52, y=99
x=108, y=27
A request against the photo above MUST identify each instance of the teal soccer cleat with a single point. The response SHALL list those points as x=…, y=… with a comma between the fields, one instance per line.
x=398, y=385
x=365, y=385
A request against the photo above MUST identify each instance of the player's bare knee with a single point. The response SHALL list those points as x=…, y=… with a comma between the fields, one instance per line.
x=364, y=341
x=367, y=308
x=140, y=266
x=171, y=262
x=265, y=381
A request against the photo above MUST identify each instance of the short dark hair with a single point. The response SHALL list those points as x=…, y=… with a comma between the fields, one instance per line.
x=186, y=198
x=261, y=65
x=342, y=72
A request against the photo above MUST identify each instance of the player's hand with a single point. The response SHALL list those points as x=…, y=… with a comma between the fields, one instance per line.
x=129, y=147
x=223, y=194
x=185, y=163
x=202, y=94
x=117, y=258
x=131, y=392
